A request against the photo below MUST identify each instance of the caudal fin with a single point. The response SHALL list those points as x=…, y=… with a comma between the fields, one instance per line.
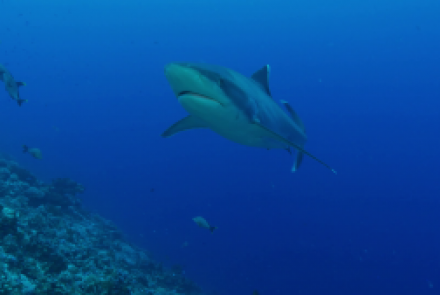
x=297, y=147
x=21, y=101
x=298, y=161
x=25, y=148
x=212, y=228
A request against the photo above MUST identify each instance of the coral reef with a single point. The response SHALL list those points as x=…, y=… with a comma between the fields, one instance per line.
x=50, y=245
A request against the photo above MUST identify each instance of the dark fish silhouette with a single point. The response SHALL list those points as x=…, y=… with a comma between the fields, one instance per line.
x=36, y=153
x=11, y=85
x=200, y=221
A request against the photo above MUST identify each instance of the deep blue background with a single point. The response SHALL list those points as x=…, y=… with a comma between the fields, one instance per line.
x=363, y=75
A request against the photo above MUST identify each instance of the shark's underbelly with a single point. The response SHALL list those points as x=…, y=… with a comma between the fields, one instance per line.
x=231, y=123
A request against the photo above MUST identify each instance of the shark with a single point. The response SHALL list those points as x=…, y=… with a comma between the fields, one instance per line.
x=237, y=107
x=11, y=85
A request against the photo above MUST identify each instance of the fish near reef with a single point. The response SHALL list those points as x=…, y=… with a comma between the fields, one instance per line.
x=11, y=85
x=36, y=153
x=200, y=221
x=236, y=107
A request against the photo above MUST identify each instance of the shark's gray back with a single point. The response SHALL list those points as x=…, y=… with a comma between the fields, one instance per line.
x=253, y=100
x=262, y=108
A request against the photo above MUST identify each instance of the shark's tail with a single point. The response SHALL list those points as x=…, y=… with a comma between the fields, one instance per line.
x=25, y=148
x=300, y=149
x=21, y=101
x=298, y=121
x=212, y=228
x=298, y=160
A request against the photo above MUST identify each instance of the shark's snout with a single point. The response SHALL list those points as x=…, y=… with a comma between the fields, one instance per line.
x=169, y=67
x=175, y=68
x=177, y=75
x=186, y=81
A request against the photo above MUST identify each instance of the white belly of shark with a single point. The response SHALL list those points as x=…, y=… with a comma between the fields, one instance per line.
x=228, y=121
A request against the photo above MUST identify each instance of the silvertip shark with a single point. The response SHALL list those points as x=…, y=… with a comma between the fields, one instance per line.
x=236, y=107
x=11, y=85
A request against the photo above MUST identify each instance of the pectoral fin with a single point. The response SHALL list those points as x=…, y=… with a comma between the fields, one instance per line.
x=186, y=123
x=300, y=149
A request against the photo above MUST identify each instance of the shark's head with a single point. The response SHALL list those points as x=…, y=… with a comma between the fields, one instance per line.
x=211, y=93
x=198, y=87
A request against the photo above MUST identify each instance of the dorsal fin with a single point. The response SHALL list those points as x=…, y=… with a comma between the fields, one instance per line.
x=262, y=77
x=294, y=115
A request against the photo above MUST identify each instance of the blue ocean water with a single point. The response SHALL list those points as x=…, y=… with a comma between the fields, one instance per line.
x=363, y=76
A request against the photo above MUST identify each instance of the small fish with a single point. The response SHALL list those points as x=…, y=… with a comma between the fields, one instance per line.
x=36, y=153
x=185, y=244
x=200, y=221
x=12, y=86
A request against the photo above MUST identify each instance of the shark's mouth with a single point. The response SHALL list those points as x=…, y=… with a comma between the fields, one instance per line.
x=195, y=94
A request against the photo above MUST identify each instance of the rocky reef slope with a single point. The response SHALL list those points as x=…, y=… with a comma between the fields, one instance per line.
x=50, y=245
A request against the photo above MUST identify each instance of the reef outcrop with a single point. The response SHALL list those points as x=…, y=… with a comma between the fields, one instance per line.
x=49, y=244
